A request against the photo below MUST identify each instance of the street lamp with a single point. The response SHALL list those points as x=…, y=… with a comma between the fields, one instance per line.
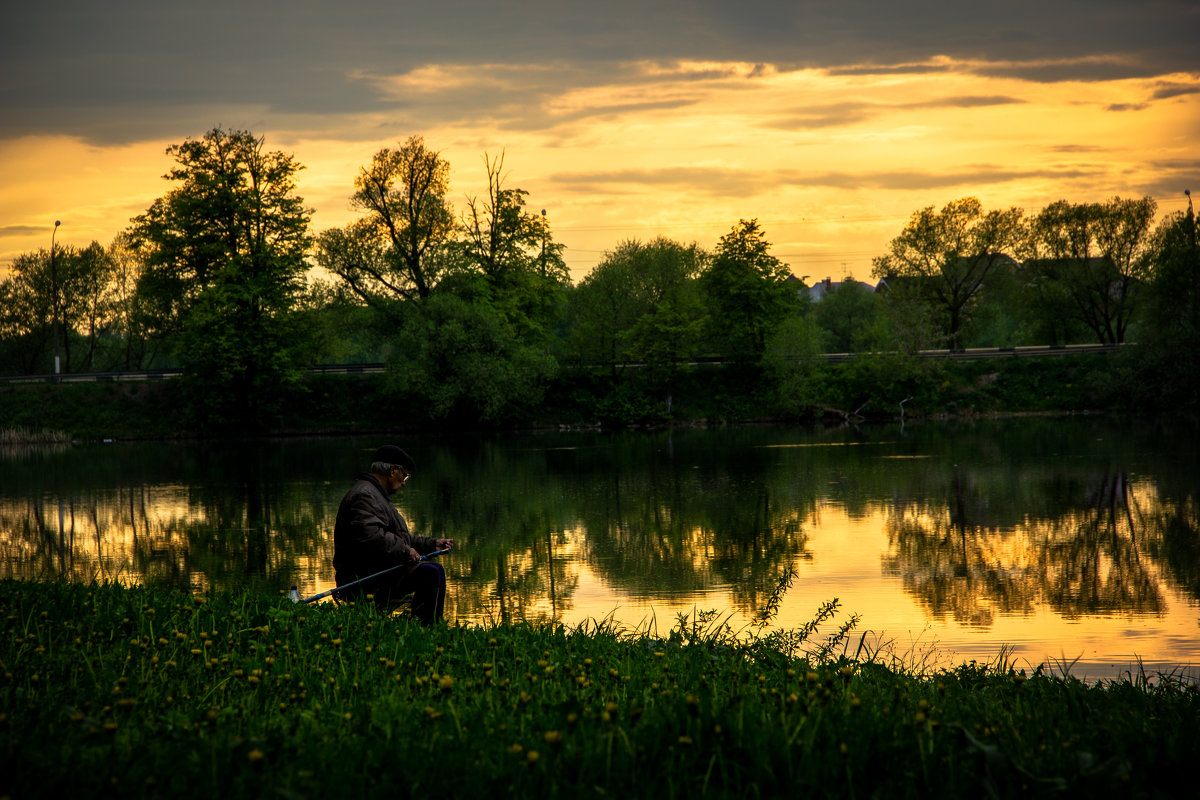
x=54, y=301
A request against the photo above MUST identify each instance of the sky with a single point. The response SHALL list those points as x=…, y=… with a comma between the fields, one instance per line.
x=829, y=122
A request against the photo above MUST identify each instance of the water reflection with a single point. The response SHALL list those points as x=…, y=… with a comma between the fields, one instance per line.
x=1083, y=519
x=961, y=561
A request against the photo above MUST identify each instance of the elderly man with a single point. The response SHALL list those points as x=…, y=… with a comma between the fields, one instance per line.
x=370, y=536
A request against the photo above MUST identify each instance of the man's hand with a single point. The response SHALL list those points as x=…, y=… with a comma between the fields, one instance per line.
x=445, y=544
x=413, y=555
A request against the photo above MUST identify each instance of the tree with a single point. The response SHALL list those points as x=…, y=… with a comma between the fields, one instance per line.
x=501, y=237
x=25, y=314
x=463, y=359
x=748, y=292
x=1173, y=262
x=225, y=265
x=28, y=297
x=847, y=313
x=129, y=315
x=1167, y=362
x=391, y=252
x=640, y=303
x=1094, y=255
x=948, y=255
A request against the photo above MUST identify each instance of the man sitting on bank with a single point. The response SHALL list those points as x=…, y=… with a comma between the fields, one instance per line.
x=370, y=536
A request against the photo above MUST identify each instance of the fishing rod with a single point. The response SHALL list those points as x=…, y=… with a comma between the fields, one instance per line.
x=294, y=593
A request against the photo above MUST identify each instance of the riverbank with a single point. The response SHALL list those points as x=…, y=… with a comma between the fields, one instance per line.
x=863, y=389
x=111, y=691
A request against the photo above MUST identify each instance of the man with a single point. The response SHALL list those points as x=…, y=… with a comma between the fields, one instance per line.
x=370, y=536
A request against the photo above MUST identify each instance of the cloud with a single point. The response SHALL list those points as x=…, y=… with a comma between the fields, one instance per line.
x=21, y=230
x=1168, y=90
x=725, y=182
x=132, y=70
x=1126, y=106
x=849, y=113
x=913, y=180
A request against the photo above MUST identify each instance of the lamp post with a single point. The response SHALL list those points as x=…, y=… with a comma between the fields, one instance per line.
x=54, y=301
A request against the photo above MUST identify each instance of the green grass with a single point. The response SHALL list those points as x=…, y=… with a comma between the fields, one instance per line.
x=131, y=692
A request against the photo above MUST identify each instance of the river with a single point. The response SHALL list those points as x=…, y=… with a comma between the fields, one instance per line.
x=1072, y=542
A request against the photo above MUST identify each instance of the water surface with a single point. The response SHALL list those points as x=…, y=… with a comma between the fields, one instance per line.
x=1068, y=541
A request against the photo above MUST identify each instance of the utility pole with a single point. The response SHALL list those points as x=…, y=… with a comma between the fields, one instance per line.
x=54, y=303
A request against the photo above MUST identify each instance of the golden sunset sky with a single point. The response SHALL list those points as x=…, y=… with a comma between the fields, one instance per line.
x=828, y=122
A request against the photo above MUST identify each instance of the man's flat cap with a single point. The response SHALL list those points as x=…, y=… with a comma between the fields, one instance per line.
x=390, y=454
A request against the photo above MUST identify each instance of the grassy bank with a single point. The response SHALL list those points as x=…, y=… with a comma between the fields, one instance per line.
x=108, y=691
x=869, y=387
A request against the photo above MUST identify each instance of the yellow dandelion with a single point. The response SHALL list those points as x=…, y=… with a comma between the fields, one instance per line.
x=447, y=683
x=255, y=756
x=685, y=740
x=532, y=756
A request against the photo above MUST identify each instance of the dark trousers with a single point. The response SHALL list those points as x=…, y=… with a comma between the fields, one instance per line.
x=425, y=584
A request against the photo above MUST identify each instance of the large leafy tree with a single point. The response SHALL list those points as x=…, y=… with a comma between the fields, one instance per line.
x=458, y=357
x=1093, y=255
x=749, y=292
x=641, y=304
x=947, y=256
x=393, y=251
x=225, y=266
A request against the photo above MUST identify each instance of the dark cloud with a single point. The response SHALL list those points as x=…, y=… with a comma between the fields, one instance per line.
x=1126, y=106
x=21, y=230
x=130, y=69
x=1168, y=90
x=736, y=183
x=908, y=181
x=966, y=101
x=890, y=69
x=835, y=114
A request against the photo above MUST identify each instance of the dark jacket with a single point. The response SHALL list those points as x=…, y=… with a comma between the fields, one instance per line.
x=369, y=534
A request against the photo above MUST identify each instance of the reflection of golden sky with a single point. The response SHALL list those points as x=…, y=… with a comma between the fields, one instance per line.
x=846, y=564
x=832, y=165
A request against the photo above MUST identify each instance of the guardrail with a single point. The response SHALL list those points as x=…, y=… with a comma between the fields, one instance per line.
x=377, y=367
x=138, y=376
x=1001, y=352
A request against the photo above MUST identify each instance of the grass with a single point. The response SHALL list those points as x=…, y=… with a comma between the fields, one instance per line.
x=134, y=692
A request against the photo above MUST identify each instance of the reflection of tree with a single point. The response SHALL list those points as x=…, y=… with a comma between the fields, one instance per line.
x=523, y=577
x=664, y=529
x=1084, y=560
x=1172, y=537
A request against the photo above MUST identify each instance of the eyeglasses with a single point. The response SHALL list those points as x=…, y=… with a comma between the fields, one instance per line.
x=404, y=474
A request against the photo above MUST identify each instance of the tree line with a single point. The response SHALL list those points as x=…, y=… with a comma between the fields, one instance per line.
x=476, y=316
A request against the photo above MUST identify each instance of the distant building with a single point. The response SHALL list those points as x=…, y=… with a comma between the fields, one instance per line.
x=817, y=292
